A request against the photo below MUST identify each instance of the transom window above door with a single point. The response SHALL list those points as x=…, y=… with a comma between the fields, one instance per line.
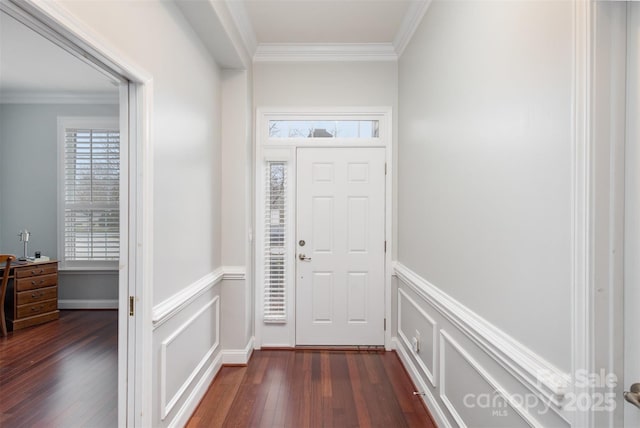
x=352, y=129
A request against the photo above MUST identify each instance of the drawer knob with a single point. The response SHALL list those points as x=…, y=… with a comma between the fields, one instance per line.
x=36, y=283
x=34, y=295
x=34, y=309
x=34, y=272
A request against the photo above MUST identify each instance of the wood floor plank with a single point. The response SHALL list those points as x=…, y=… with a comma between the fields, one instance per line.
x=63, y=373
x=314, y=388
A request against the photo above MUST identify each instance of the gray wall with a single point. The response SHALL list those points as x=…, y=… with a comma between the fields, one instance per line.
x=28, y=188
x=485, y=161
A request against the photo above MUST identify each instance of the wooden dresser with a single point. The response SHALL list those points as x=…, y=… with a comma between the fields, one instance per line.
x=32, y=295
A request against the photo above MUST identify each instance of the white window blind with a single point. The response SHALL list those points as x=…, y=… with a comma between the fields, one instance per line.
x=91, y=194
x=275, y=239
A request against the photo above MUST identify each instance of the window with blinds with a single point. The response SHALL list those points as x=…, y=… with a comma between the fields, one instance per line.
x=275, y=242
x=91, y=229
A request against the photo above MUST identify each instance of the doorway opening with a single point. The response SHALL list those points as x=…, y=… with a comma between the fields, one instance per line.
x=323, y=227
x=131, y=90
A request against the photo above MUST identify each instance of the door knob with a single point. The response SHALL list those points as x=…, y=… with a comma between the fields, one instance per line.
x=633, y=396
x=304, y=258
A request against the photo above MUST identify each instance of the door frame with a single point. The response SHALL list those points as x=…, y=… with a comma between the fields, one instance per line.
x=282, y=335
x=55, y=24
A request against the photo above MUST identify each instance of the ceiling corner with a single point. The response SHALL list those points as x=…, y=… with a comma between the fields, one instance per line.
x=410, y=24
x=241, y=19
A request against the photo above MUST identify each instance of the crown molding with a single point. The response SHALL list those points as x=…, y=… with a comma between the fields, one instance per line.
x=295, y=52
x=239, y=15
x=58, y=98
x=410, y=24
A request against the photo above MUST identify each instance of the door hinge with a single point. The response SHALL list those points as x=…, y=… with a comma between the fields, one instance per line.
x=385, y=324
x=385, y=168
x=385, y=246
x=131, y=305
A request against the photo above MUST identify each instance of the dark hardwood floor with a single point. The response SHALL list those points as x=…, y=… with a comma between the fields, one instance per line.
x=61, y=374
x=301, y=389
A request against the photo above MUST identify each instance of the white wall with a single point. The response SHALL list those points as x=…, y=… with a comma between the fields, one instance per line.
x=325, y=84
x=185, y=133
x=29, y=188
x=484, y=204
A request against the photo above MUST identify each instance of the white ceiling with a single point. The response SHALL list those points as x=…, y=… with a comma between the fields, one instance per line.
x=326, y=21
x=30, y=64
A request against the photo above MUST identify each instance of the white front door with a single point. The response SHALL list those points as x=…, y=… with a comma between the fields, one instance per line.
x=340, y=246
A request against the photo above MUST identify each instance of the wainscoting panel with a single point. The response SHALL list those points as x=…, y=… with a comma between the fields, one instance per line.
x=178, y=368
x=187, y=350
x=412, y=321
x=469, y=372
x=470, y=395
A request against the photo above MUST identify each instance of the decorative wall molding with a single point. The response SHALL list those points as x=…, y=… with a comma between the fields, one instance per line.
x=433, y=406
x=59, y=98
x=430, y=374
x=238, y=356
x=296, y=52
x=409, y=25
x=191, y=403
x=234, y=273
x=165, y=310
x=495, y=386
x=167, y=403
x=87, y=304
x=521, y=362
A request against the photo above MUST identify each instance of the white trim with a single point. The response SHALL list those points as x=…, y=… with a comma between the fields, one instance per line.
x=166, y=407
x=87, y=304
x=167, y=309
x=191, y=403
x=238, y=356
x=240, y=18
x=428, y=398
x=582, y=263
x=430, y=374
x=237, y=273
x=293, y=52
x=514, y=357
x=59, y=98
x=409, y=25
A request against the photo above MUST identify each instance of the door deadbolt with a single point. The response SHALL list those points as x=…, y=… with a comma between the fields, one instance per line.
x=301, y=242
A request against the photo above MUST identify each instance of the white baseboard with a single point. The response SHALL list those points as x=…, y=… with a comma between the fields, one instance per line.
x=87, y=304
x=191, y=403
x=436, y=412
x=238, y=356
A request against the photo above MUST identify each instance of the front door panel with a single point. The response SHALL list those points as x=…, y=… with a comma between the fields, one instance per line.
x=340, y=246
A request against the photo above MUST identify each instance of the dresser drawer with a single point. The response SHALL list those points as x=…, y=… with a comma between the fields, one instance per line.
x=37, y=308
x=37, y=295
x=34, y=282
x=25, y=272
